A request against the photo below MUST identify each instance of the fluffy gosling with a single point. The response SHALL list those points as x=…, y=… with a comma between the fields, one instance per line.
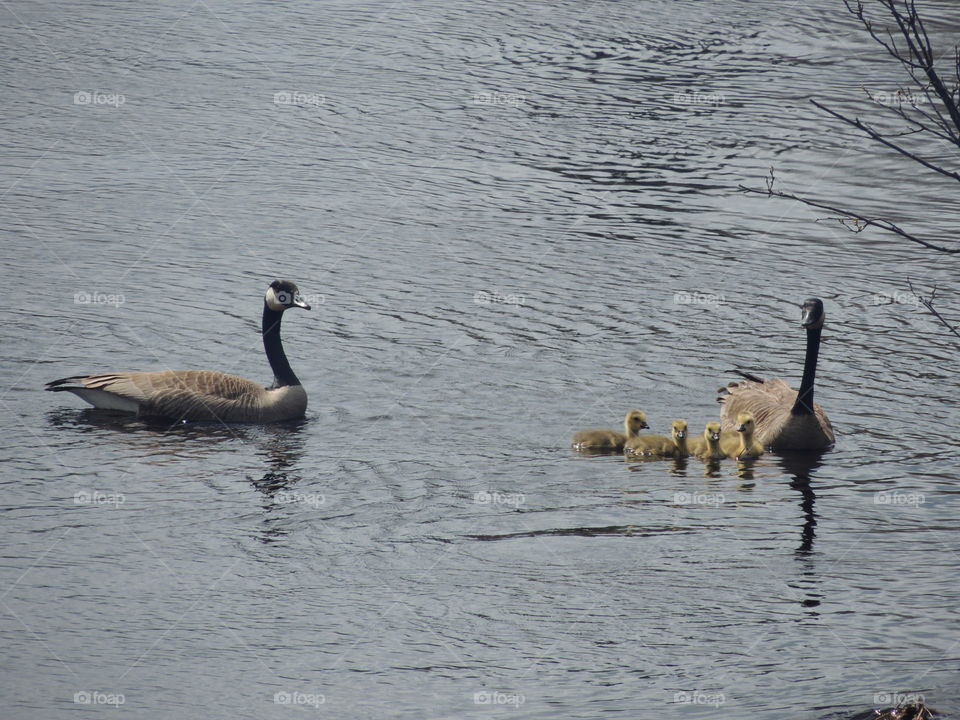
x=611, y=440
x=707, y=447
x=744, y=446
x=673, y=446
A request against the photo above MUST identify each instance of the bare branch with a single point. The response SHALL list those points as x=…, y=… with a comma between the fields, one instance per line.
x=855, y=122
x=901, y=113
x=928, y=304
x=845, y=216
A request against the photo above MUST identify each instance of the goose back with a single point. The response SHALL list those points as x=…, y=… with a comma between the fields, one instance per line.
x=197, y=395
x=771, y=402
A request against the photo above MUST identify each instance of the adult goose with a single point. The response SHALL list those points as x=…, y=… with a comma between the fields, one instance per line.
x=785, y=418
x=206, y=394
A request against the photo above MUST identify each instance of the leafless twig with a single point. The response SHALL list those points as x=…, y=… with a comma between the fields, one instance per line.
x=907, y=41
x=927, y=302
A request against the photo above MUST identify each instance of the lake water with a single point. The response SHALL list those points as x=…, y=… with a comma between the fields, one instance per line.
x=513, y=221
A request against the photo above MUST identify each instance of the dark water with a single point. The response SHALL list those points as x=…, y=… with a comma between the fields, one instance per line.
x=500, y=212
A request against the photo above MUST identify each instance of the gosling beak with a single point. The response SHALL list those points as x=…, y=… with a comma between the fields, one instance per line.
x=644, y=425
x=714, y=436
x=299, y=302
x=681, y=434
x=741, y=428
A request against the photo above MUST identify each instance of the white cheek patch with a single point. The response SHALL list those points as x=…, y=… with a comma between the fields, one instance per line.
x=273, y=302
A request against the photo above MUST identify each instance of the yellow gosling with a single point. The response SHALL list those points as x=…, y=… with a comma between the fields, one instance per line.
x=611, y=440
x=745, y=446
x=707, y=447
x=673, y=446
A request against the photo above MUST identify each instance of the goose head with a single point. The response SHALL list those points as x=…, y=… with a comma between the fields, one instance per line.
x=283, y=295
x=711, y=433
x=746, y=424
x=679, y=430
x=635, y=421
x=813, y=315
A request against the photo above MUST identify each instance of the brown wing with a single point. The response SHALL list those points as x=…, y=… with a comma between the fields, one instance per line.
x=769, y=402
x=190, y=394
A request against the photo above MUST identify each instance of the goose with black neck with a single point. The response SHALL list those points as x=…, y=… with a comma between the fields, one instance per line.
x=206, y=395
x=786, y=419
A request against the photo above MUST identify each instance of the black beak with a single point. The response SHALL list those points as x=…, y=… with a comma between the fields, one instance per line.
x=741, y=428
x=298, y=302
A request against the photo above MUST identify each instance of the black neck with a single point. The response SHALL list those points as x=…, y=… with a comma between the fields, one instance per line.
x=804, y=403
x=274, y=348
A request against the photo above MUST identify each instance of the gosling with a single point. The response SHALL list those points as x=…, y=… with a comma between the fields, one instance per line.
x=708, y=446
x=673, y=446
x=745, y=446
x=611, y=440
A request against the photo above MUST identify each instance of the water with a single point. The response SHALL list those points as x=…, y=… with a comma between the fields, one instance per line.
x=496, y=210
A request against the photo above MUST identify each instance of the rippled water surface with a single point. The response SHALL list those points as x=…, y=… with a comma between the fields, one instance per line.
x=514, y=221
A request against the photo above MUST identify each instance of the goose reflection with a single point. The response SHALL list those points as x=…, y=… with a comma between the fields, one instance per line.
x=801, y=466
x=150, y=437
x=281, y=446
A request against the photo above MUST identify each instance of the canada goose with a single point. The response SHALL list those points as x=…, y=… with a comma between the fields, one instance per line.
x=743, y=446
x=673, y=446
x=786, y=419
x=206, y=394
x=708, y=446
x=611, y=440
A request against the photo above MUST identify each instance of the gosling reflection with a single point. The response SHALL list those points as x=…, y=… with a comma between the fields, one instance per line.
x=745, y=474
x=678, y=465
x=711, y=468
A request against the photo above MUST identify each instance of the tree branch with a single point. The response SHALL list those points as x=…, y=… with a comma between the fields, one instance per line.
x=928, y=304
x=843, y=215
x=855, y=122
